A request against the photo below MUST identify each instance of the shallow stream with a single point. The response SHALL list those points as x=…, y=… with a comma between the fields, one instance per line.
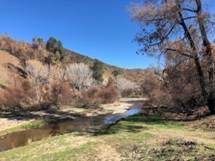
x=86, y=124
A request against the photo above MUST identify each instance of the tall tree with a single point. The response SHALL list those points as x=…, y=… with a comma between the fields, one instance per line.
x=56, y=48
x=201, y=16
x=98, y=70
x=178, y=27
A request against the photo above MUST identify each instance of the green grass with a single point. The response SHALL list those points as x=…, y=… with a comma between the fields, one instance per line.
x=155, y=121
x=33, y=124
x=29, y=125
x=134, y=139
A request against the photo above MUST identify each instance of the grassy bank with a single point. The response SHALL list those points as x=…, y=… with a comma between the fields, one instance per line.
x=134, y=139
x=23, y=126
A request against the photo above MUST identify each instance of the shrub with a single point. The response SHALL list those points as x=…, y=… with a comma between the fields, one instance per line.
x=116, y=72
x=154, y=88
x=19, y=96
x=40, y=89
x=38, y=77
x=183, y=85
x=100, y=95
x=38, y=43
x=64, y=94
x=24, y=51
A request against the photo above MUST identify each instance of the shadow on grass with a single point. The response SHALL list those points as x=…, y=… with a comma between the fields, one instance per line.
x=120, y=128
x=138, y=123
x=152, y=120
x=127, y=125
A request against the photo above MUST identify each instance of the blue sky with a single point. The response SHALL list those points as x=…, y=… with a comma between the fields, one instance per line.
x=100, y=29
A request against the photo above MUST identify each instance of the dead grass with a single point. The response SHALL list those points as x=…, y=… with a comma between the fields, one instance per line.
x=207, y=123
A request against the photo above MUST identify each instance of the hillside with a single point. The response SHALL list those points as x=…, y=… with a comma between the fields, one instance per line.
x=14, y=55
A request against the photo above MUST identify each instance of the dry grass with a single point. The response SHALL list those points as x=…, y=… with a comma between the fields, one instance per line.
x=9, y=124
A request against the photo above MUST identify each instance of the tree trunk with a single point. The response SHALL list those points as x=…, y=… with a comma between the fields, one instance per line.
x=199, y=70
x=210, y=58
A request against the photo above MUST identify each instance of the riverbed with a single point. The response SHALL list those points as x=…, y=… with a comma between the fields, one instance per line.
x=91, y=122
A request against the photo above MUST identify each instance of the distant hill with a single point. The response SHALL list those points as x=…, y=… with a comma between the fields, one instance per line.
x=14, y=55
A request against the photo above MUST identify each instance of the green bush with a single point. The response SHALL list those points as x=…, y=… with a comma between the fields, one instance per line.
x=98, y=70
x=56, y=47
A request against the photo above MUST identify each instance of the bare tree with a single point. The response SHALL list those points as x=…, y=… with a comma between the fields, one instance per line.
x=124, y=84
x=178, y=27
x=47, y=82
x=57, y=80
x=79, y=75
x=38, y=76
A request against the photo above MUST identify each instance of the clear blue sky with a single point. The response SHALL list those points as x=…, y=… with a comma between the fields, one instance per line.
x=100, y=29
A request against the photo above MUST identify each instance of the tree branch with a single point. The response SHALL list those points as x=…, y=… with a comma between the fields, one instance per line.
x=190, y=17
x=179, y=52
x=164, y=37
x=189, y=10
x=154, y=19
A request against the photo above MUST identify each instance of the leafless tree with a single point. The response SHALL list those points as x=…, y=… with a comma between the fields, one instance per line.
x=124, y=84
x=47, y=82
x=178, y=28
x=38, y=76
x=57, y=80
x=79, y=75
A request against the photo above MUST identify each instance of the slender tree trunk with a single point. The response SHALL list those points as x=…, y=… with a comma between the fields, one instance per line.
x=209, y=54
x=199, y=70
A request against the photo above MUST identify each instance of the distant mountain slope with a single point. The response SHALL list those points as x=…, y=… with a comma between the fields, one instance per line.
x=16, y=54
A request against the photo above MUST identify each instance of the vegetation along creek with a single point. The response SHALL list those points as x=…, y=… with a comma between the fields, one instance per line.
x=117, y=80
x=82, y=124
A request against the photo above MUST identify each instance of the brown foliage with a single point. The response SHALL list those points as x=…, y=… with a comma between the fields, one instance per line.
x=63, y=94
x=177, y=87
x=153, y=88
x=100, y=95
x=182, y=83
x=17, y=97
x=179, y=30
x=23, y=51
x=41, y=90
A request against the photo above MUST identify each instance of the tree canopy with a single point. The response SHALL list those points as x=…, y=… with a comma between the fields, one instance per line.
x=179, y=29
